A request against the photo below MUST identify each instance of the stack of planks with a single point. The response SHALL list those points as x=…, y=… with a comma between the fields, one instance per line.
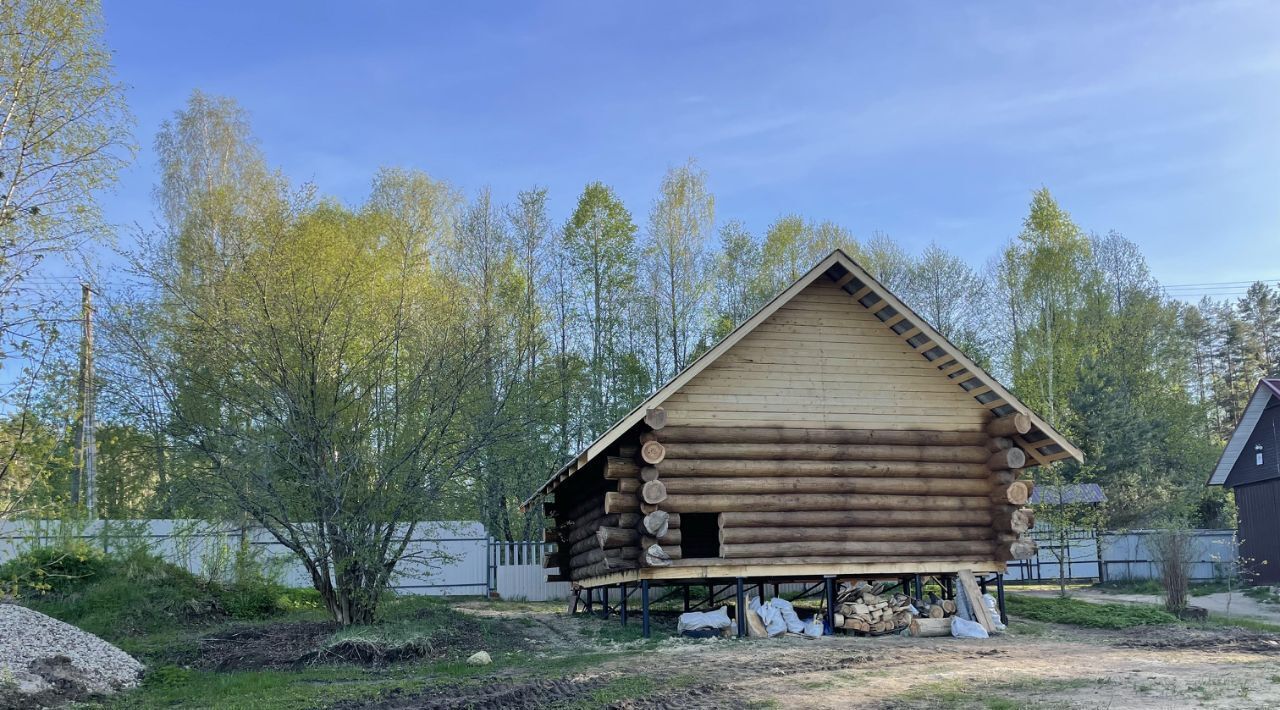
x=864, y=610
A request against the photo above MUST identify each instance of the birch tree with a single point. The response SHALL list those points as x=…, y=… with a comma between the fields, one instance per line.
x=680, y=226
x=64, y=136
x=600, y=243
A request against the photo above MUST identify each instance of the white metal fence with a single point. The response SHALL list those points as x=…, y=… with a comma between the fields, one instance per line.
x=1116, y=556
x=446, y=558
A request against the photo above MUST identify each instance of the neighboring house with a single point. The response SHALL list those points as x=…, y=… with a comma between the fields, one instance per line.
x=1250, y=467
x=834, y=433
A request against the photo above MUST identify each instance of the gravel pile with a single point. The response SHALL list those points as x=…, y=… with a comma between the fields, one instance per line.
x=44, y=662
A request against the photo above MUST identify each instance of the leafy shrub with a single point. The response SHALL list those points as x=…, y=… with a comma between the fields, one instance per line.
x=252, y=598
x=1061, y=610
x=48, y=570
x=138, y=593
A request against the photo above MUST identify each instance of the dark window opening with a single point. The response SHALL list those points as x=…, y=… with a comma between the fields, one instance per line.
x=699, y=535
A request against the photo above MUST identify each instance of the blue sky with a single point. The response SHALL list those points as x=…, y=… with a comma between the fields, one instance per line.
x=927, y=121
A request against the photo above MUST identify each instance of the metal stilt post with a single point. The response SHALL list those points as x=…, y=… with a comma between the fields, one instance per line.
x=686, y=597
x=622, y=605
x=591, y=593
x=829, y=594
x=1004, y=614
x=740, y=611
x=644, y=608
x=604, y=602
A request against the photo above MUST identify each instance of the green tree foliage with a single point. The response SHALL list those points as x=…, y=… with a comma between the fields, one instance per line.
x=424, y=356
x=676, y=252
x=64, y=136
x=600, y=244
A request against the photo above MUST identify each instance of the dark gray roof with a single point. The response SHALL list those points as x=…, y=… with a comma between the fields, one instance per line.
x=1071, y=492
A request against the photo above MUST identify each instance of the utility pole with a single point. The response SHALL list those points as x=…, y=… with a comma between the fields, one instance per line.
x=85, y=455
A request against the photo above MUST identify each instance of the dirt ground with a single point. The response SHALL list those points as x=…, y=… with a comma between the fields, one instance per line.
x=1035, y=665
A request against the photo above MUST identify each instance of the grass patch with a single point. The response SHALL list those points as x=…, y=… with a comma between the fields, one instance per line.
x=1058, y=610
x=1152, y=587
x=1265, y=595
x=1010, y=695
x=1241, y=622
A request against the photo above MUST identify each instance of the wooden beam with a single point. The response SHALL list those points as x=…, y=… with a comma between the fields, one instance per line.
x=843, y=280
x=861, y=293
x=783, y=435
x=812, y=567
x=953, y=368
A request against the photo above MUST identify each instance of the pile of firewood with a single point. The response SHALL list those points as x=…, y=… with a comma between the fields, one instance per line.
x=866, y=609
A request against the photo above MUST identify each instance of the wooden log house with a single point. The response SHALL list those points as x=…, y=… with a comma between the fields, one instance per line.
x=834, y=433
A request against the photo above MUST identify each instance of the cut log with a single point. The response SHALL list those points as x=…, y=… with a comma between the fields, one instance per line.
x=1008, y=458
x=782, y=550
x=615, y=502
x=600, y=568
x=829, y=452
x=612, y=537
x=1012, y=425
x=852, y=535
x=1010, y=493
x=647, y=508
x=656, y=524
x=654, y=492
x=576, y=532
x=652, y=452
x=781, y=435
x=811, y=501
x=655, y=418
x=610, y=557
x=790, y=484
x=886, y=518
x=609, y=537
x=655, y=556
x=649, y=473
x=590, y=542
x=1020, y=549
x=684, y=468
x=930, y=627
x=617, y=467
x=999, y=443
x=1018, y=520
x=647, y=436
x=1002, y=477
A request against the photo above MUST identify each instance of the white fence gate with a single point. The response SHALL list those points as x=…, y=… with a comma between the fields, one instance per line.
x=445, y=558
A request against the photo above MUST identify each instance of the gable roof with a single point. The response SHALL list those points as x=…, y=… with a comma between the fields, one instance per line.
x=1043, y=443
x=1266, y=389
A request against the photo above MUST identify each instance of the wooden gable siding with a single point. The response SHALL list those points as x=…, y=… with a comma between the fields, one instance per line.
x=824, y=361
x=1266, y=433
